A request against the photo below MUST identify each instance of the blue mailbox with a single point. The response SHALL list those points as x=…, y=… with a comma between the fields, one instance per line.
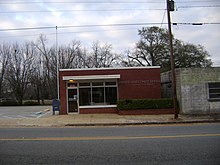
x=56, y=105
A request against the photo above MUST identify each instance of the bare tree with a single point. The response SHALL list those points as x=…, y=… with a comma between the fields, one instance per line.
x=101, y=56
x=4, y=56
x=126, y=61
x=68, y=57
x=46, y=56
x=38, y=78
x=33, y=66
x=19, y=70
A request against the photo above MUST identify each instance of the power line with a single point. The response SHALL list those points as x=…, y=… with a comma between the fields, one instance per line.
x=101, y=2
x=209, y=6
x=198, y=23
x=102, y=30
x=107, y=25
x=163, y=18
x=29, y=28
x=81, y=10
x=80, y=2
x=74, y=32
x=77, y=26
x=199, y=1
x=97, y=10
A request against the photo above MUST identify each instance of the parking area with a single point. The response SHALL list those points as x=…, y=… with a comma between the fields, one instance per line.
x=16, y=112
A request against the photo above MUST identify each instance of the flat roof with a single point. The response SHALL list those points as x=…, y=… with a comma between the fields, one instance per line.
x=148, y=67
x=92, y=77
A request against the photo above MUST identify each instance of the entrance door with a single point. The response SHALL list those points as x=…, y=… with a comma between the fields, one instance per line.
x=72, y=101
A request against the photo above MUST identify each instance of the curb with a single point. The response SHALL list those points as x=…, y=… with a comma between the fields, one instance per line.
x=144, y=123
x=134, y=123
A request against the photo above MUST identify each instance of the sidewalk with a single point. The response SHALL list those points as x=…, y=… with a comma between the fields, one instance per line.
x=104, y=120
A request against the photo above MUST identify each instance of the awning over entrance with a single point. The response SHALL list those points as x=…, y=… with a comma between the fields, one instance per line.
x=92, y=77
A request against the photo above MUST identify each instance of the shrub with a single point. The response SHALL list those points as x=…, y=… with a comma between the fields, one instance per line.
x=9, y=103
x=31, y=103
x=132, y=104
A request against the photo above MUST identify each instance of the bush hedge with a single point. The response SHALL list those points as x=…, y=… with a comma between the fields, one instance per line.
x=9, y=103
x=132, y=104
x=15, y=103
x=28, y=103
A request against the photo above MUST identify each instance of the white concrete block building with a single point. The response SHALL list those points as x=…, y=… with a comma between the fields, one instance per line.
x=198, y=89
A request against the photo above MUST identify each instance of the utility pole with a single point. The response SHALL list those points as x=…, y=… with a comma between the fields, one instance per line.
x=58, y=85
x=170, y=7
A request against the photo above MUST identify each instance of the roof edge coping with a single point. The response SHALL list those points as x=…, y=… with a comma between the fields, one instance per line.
x=118, y=68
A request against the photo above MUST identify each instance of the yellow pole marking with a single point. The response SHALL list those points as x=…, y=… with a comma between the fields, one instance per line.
x=107, y=138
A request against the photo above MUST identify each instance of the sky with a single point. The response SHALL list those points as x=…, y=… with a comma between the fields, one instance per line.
x=114, y=22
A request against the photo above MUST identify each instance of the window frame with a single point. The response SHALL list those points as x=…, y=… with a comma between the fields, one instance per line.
x=97, y=86
x=209, y=88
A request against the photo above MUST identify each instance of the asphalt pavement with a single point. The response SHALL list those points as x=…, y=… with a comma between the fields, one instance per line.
x=155, y=145
x=18, y=112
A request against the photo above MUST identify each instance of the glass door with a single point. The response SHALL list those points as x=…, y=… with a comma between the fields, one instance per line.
x=72, y=101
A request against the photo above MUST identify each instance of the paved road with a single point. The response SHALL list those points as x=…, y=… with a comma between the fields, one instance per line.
x=174, y=144
x=16, y=112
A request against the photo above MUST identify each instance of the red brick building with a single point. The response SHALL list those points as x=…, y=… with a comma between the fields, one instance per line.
x=97, y=90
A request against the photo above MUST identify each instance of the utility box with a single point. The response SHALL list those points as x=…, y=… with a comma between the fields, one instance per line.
x=55, y=105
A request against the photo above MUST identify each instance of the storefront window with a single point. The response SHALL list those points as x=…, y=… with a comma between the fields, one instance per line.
x=97, y=93
x=110, y=83
x=84, y=84
x=84, y=96
x=97, y=83
x=111, y=95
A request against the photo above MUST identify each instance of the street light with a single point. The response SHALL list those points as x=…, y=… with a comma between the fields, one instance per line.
x=170, y=7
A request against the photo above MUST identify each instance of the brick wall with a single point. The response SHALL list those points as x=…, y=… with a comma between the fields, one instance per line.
x=134, y=83
x=98, y=110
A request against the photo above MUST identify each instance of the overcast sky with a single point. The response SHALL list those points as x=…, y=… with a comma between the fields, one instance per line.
x=128, y=15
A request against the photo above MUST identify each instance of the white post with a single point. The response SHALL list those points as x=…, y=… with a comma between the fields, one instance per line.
x=58, y=85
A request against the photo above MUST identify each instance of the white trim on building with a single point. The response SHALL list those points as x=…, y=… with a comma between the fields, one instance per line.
x=148, y=67
x=92, y=77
